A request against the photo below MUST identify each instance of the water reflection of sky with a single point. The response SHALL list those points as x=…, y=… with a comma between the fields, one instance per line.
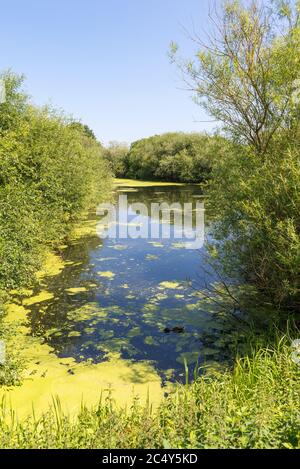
x=120, y=296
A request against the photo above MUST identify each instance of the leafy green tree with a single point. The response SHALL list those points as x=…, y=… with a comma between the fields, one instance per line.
x=85, y=129
x=247, y=78
x=50, y=172
x=177, y=157
x=116, y=155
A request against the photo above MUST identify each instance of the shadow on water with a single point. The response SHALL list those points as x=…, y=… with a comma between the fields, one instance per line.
x=130, y=296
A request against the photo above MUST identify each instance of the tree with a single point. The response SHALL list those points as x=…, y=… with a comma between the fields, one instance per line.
x=246, y=78
x=116, y=155
x=83, y=128
x=177, y=156
x=50, y=172
x=245, y=75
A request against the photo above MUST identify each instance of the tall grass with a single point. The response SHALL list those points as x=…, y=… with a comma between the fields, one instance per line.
x=257, y=405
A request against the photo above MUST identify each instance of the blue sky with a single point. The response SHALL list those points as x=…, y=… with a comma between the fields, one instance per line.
x=105, y=61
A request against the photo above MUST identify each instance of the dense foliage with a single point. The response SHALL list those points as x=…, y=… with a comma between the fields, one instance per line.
x=248, y=78
x=256, y=406
x=50, y=171
x=116, y=155
x=172, y=157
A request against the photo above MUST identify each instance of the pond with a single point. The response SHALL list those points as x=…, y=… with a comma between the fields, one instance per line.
x=127, y=300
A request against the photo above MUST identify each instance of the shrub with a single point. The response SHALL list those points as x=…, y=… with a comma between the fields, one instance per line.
x=50, y=172
x=256, y=406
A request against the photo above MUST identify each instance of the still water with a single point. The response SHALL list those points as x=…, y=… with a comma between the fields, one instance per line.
x=132, y=297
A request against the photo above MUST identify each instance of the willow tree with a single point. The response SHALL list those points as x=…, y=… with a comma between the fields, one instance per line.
x=247, y=73
x=247, y=78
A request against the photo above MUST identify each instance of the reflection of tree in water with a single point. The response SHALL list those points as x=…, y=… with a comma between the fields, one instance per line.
x=168, y=194
x=164, y=194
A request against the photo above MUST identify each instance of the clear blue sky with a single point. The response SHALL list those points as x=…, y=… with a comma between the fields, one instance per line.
x=105, y=61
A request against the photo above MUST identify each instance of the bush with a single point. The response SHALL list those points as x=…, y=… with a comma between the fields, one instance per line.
x=247, y=77
x=116, y=155
x=256, y=206
x=51, y=171
x=174, y=157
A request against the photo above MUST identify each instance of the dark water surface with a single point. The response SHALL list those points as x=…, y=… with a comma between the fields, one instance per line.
x=124, y=295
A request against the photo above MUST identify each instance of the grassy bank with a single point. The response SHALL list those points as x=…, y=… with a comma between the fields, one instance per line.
x=257, y=405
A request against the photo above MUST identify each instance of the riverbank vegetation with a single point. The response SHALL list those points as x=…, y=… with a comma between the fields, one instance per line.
x=247, y=77
x=171, y=157
x=255, y=406
x=52, y=170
